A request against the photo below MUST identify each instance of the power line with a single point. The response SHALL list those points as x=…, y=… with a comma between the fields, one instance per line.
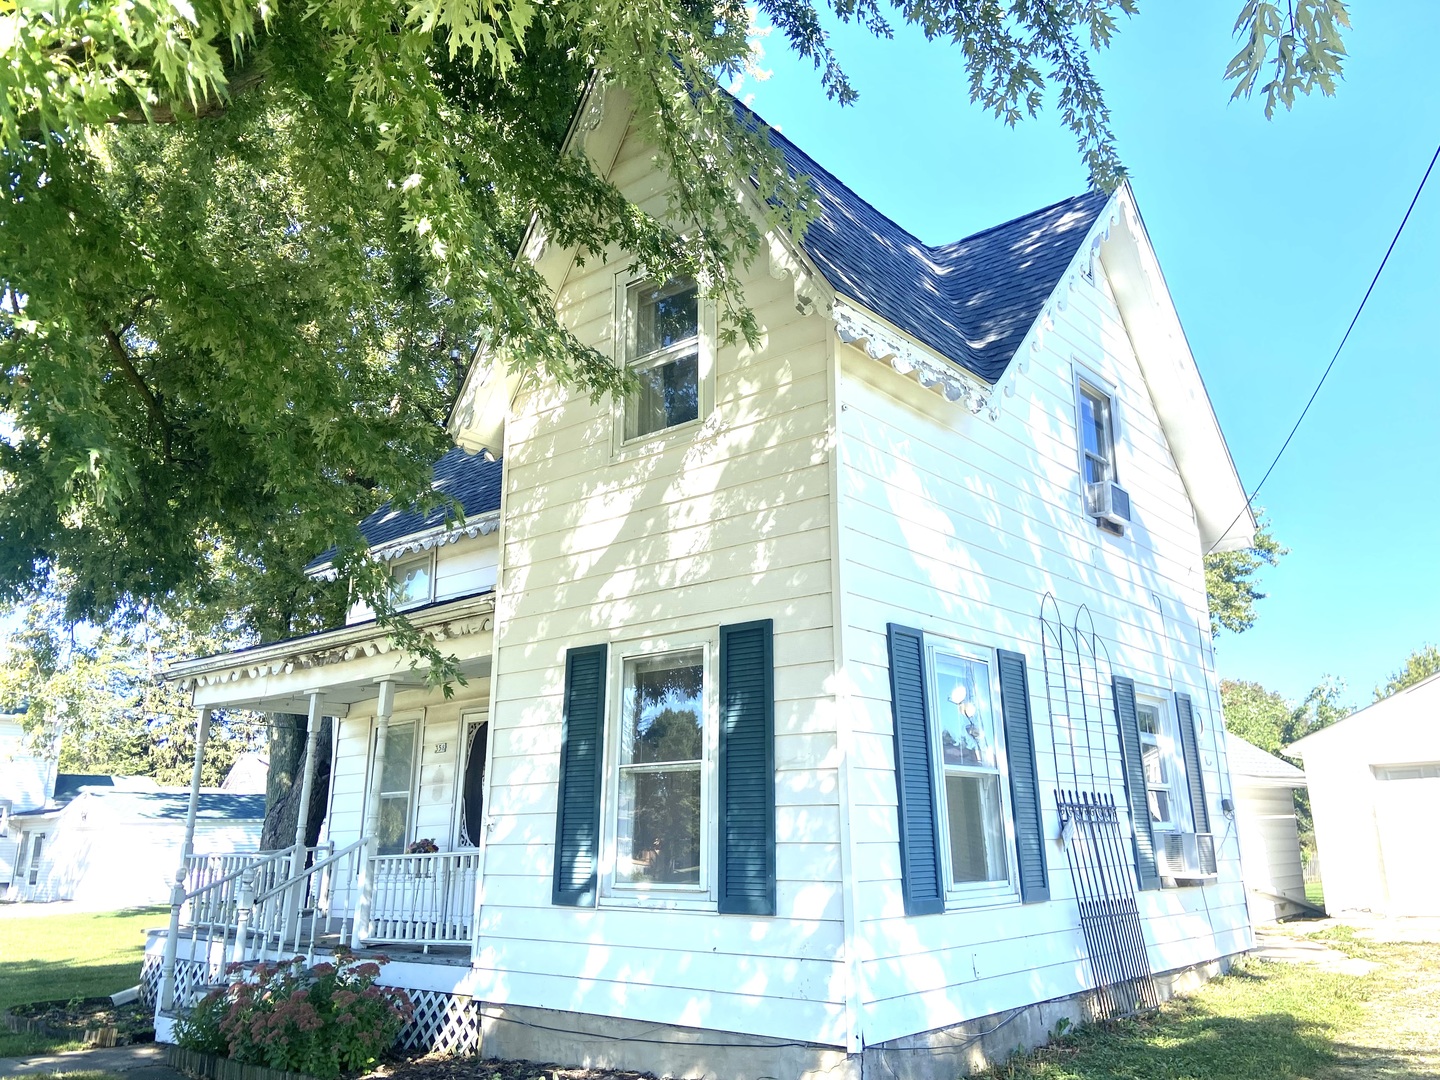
x=1300, y=419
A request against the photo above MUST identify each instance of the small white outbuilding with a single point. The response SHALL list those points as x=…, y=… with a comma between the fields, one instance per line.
x=1264, y=787
x=1374, y=783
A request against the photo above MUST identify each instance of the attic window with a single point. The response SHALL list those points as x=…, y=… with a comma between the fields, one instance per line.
x=663, y=349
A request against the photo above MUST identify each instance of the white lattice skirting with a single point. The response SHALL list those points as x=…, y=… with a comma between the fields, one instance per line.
x=441, y=1023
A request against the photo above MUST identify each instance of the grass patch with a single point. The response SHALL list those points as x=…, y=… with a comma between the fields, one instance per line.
x=1271, y=1020
x=1315, y=893
x=58, y=957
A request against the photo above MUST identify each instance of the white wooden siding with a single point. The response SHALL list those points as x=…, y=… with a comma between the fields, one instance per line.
x=958, y=525
x=724, y=522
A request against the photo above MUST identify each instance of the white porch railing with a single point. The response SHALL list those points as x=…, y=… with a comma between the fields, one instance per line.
x=423, y=899
x=247, y=906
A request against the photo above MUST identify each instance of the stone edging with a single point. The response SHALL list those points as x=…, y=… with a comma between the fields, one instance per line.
x=211, y=1067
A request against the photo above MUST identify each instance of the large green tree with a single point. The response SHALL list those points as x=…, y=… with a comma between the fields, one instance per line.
x=246, y=250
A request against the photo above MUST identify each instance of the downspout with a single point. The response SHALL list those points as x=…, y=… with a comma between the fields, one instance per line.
x=177, y=892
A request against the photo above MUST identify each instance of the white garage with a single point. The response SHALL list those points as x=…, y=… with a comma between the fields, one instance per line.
x=1374, y=783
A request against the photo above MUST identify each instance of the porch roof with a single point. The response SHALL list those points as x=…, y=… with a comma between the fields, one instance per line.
x=344, y=664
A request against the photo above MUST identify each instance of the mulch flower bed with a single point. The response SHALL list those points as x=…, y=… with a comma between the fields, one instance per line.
x=97, y=1020
x=471, y=1068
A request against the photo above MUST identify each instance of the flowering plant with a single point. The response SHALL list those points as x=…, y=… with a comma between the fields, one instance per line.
x=422, y=847
x=321, y=1020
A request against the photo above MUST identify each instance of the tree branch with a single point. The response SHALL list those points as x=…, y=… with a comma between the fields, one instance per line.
x=132, y=375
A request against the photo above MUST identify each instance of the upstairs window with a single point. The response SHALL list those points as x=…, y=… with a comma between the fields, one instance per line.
x=662, y=349
x=1097, y=433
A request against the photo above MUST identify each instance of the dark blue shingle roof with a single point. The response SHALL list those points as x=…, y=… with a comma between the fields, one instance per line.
x=973, y=300
x=470, y=479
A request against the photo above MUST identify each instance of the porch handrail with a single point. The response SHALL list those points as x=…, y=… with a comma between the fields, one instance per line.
x=286, y=918
x=211, y=901
x=425, y=898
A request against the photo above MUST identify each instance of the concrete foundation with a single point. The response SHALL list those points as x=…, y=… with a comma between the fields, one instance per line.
x=576, y=1039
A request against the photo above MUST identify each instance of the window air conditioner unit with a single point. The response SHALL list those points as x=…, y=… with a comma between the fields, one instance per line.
x=1109, y=502
x=1185, y=856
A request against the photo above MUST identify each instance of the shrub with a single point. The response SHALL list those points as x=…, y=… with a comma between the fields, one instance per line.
x=321, y=1020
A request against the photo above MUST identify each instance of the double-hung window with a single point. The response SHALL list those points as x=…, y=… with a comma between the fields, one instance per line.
x=966, y=779
x=1157, y=754
x=970, y=755
x=660, y=759
x=397, y=778
x=1097, y=432
x=667, y=773
x=663, y=351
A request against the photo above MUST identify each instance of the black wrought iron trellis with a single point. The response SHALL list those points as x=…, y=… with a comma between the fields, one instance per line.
x=1082, y=729
x=1105, y=892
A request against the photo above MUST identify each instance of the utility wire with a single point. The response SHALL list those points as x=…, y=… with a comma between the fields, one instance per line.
x=1378, y=271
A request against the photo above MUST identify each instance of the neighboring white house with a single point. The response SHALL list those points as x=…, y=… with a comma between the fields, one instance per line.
x=27, y=775
x=1374, y=782
x=1265, y=788
x=829, y=699
x=116, y=846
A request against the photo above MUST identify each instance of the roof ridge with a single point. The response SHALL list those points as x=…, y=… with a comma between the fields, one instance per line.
x=1017, y=219
x=776, y=133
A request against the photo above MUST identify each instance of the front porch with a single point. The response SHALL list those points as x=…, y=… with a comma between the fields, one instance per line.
x=397, y=860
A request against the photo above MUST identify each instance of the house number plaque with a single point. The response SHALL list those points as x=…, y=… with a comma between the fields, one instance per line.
x=442, y=747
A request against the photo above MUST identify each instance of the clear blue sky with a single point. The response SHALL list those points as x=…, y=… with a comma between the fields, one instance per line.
x=1269, y=233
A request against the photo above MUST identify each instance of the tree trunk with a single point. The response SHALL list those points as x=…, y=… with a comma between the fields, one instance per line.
x=287, y=773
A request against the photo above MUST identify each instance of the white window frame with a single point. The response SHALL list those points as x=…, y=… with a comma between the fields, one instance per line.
x=1163, y=701
x=1084, y=377
x=627, y=285
x=970, y=894
x=37, y=853
x=429, y=559
x=702, y=896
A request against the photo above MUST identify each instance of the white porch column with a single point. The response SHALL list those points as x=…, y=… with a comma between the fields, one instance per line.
x=295, y=895
x=383, y=708
x=177, y=892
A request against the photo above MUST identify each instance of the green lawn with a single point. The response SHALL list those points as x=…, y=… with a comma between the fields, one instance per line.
x=1270, y=1021
x=1315, y=893
x=58, y=957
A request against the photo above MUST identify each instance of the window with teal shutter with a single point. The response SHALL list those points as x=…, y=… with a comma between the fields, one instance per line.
x=920, y=868
x=1132, y=758
x=747, y=769
x=1024, y=777
x=577, y=816
x=1190, y=747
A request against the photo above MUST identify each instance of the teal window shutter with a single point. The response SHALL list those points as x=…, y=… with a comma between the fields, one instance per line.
x=747, y=769
x=1146, y=874
x=1024, y=777
x=1190, y=746
x=577, y=815
x=914, y=774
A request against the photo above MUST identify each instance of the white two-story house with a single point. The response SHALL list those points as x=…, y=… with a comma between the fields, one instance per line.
x=844, y=698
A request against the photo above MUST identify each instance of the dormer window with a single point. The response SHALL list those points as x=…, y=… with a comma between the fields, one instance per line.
x=412, y=581
x=662, y=347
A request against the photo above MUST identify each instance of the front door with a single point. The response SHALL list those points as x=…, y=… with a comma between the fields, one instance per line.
x=472, y=782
